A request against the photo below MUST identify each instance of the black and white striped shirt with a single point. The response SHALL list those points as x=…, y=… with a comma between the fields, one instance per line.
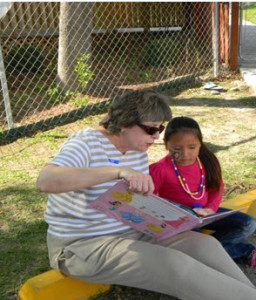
x=68, y=214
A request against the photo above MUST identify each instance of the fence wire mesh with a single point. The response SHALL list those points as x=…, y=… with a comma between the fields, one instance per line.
x=63, y=61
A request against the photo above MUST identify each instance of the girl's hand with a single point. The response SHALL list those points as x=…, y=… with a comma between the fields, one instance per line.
x=138, y=182
x=204, y=211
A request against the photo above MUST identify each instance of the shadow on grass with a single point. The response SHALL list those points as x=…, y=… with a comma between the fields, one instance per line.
x=215, y=148
x=243, y=102
x=22, y=239
x=23, y=255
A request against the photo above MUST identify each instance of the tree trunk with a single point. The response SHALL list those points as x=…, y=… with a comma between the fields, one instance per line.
x=74, y=40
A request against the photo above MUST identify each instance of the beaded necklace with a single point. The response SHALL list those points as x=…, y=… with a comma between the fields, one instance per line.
x=184, y=185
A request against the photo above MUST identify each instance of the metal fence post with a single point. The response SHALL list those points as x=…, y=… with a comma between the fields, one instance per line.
x=215, y=40
x=7, y=104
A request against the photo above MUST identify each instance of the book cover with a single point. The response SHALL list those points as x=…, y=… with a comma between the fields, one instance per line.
x=152, y=215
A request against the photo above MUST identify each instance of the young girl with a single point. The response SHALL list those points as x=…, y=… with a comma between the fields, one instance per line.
x=191, y=175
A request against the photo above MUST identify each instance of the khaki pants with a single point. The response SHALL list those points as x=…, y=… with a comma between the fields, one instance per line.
x=190, y=265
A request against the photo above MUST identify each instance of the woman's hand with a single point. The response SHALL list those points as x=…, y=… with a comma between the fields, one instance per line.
x=204, y=211
x=138, y=182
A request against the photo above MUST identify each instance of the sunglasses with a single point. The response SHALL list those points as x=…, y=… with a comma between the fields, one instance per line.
x=151, y=130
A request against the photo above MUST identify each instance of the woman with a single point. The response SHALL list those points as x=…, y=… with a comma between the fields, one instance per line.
x=87, y=245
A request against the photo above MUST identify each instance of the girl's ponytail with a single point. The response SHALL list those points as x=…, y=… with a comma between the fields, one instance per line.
x=212, y=168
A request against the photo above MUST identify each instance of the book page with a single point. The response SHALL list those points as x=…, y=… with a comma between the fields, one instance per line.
x=217, y=216
x=151, y=215
x=157, y=209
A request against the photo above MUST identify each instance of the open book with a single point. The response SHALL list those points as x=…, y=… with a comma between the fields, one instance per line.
x=152, y=215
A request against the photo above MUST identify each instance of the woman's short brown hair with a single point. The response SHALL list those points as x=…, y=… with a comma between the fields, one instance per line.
x=134, y=108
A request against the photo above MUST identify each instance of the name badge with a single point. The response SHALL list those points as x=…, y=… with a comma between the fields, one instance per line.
x=113, y=161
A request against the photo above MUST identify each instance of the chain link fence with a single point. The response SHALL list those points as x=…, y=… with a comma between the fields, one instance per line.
x=63, y=61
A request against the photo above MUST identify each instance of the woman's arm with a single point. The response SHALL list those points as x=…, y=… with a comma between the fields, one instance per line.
x=56, y=179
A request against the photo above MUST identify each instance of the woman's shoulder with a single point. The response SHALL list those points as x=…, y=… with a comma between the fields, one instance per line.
x=86, y=134
x=162, y=161
x=85, y=138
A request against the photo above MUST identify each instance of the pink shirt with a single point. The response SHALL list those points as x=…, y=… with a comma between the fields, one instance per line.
x=168, y=186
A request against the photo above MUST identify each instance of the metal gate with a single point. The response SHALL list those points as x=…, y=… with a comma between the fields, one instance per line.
x=247, y=34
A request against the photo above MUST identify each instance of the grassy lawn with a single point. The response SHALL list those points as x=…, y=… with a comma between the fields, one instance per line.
x=249, y=13
x=228, y=125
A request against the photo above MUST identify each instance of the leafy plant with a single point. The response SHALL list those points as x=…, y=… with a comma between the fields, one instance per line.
x=131, y=78
x=146, y=75
x=55, y=94
x=79, y=102
x=110, y=58
x=162, y=52
x=121, y=60
x=40, y=87
x=52, y=67
x=169, y=71
x=133, y=63
x=20, y=98
x=26, y=59
x=83, y=69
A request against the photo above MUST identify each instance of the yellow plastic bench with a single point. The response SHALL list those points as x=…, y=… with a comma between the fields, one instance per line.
x=52, y=285
x=246, y=199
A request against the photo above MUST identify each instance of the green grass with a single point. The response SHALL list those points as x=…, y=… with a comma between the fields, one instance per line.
x=249, y=101
x=249, y=13
x=22, y=238
x=228, y=126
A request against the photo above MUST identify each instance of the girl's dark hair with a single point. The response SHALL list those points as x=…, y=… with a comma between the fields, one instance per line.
x=207, y=157
x=134, y=108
